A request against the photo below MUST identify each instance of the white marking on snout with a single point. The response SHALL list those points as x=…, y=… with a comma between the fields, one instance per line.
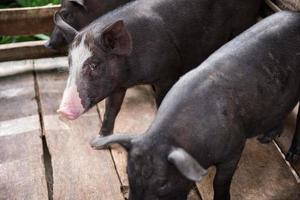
x=78, y=55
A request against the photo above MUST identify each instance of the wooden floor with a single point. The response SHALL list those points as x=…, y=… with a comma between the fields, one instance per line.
x=43, y=157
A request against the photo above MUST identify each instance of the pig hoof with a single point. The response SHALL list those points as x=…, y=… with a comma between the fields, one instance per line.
x=105, y=133
x=264, y=139
x=292, y=156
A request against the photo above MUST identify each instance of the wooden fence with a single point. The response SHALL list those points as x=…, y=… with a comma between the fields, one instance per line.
x=26, y=21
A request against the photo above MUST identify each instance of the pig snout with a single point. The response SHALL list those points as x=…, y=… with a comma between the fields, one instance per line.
x=71, y=107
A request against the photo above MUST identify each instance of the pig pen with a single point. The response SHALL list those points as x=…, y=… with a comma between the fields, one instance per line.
x=43, y=157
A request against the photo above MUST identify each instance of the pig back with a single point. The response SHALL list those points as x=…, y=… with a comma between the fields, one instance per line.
x=247, y=86
x=201, y=27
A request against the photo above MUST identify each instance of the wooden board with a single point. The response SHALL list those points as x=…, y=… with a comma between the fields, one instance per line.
x=137, y=112
x=289, y=4
x=27, y=50
x=10, y=68
x=284, y=141
x=27, y=21
x=22, y=173
x=262, y=174
x=79, y=172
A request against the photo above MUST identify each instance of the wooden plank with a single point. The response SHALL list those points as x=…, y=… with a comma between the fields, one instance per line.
x=137, y=112
x=10, y=68
x=262, y=174
x=27, y=21
x=22, y=173
x=289, y=4
x=79, y=172
x=27, y=50
x=273, y=6
x=284, y=141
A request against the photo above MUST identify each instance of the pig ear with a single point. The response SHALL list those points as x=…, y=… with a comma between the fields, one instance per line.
x=101, y=142
x=79, y=2
x=68, y=31
x=186, y=164
x=116, y=39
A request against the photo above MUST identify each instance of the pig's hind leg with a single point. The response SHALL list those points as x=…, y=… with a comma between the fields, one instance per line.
x=270, y=135
x=295, y=147
x=161, y=88
x=112, y=107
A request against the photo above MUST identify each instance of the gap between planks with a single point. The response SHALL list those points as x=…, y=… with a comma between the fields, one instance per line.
x=46, y=153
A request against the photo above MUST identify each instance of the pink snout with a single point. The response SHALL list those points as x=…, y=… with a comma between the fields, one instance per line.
x=71, y=107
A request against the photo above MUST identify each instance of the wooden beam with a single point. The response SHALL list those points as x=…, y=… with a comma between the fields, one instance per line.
x=27, y=21
x=27, y=50
x=273, y=6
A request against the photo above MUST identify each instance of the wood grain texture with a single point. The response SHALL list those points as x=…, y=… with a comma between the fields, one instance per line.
x=79, y=172
x=10, y=68
x=137, y=112
x=27, y=21
x=293, y=5
x=27, y=50
x=284, y=141
x=262, y=174
x=22, y=173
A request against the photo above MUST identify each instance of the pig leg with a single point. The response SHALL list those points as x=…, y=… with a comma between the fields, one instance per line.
x=295, y=147
x=112, y=107
x=269, y=136
x=223, y=177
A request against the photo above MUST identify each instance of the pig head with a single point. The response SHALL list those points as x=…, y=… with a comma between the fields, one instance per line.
x=155, y=171
x=79, y=13
x=94, y=62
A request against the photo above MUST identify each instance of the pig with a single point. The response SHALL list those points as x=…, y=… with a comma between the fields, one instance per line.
x=145, y=42
x=245, y=88
x=79, y=13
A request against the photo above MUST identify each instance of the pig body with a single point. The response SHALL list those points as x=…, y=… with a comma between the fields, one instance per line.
x=246, y=88
x=150, y=42
x=79, y=13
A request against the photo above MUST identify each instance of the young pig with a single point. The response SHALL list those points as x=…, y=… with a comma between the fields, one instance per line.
x=79, y=13
x=145, y=42
x=245, y=88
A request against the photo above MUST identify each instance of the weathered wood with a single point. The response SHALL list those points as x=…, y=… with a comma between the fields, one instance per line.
x=262, y=174
x=79, y=172
x=137, y=113
x=22, y=174
x=27, y=50
x=284, y=141
x=10, y=68
x=289, y=4
x=27, y=21
x=273, y=6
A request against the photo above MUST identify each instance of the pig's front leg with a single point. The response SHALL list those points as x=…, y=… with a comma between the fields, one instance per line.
x=112, y=107
x=295, y=147
x=225, y=172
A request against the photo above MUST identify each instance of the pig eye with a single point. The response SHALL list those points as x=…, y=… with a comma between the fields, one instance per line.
x=92, y=66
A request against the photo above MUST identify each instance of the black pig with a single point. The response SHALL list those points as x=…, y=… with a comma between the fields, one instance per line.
x=145, y=42
x=247, y=87
x=79, y=13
